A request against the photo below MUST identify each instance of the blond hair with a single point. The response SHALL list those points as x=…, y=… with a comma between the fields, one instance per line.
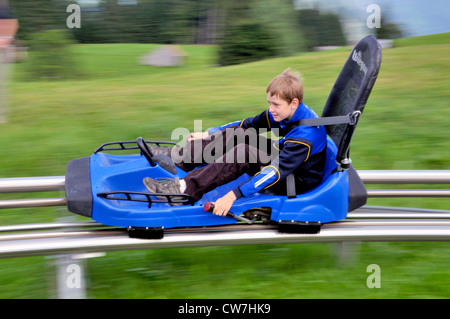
x=287, y=86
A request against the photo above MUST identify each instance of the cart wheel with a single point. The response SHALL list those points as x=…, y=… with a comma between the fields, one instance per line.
x=298, y=227
x=146, y=232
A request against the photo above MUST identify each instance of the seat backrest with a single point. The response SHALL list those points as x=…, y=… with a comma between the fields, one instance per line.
x=351, y=91
x=330, y=161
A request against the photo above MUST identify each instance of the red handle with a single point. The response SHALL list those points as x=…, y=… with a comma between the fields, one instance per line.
x=208, y=207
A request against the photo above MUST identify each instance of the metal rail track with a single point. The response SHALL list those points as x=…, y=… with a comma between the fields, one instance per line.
x=365, y=224
x=57, y=183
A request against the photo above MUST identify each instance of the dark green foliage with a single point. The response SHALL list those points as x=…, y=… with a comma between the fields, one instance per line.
x=39, y=15
x=246, y=30
x=321, y=29
x=50, y=55
x=246, y=42
x=388, y=30
x=150, y=21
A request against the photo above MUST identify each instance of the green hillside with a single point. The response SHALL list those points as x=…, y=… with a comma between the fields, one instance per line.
x=404, y=126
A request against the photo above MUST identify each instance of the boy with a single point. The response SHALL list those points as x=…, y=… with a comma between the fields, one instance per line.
x=301, y=151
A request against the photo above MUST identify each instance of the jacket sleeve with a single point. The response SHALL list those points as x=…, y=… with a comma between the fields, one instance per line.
x=294, y=153
x=263, y=120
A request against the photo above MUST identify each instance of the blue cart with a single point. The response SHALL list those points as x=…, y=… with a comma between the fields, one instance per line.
x=107, y=186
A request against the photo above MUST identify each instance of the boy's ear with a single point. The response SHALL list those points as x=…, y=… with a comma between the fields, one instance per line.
x=295, y=102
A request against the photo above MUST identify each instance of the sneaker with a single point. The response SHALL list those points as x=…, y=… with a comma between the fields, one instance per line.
x=167, y=186
x=160, y=150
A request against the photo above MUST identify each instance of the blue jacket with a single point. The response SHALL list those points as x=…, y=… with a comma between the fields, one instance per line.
x=302, y=151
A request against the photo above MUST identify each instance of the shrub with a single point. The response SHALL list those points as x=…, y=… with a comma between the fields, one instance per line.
x=51, y=56
x=245, y=42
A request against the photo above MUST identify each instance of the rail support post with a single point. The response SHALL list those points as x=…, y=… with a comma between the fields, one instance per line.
x=347, y=253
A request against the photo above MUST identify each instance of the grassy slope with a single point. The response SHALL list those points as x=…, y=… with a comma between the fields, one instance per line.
x=404, y=126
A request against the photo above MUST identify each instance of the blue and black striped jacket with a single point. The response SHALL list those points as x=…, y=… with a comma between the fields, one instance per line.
x=302, y=151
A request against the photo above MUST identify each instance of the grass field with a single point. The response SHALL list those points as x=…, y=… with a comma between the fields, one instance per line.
x=404, y=126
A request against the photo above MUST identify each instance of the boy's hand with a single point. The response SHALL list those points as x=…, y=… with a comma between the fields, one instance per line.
x=222, y=205
x=197, y=135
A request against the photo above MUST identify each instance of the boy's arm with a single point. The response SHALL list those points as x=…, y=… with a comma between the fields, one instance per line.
x=263, y=120
x=295, y=152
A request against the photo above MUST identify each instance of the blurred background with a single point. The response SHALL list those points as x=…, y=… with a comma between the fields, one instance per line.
x=287, y=26
x=74, y=77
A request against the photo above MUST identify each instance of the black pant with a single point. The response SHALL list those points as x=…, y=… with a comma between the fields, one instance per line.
x=221, y=158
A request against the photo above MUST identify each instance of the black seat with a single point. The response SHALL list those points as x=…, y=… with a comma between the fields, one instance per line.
x=344, y=107
x=349, y=97
x=350, y=93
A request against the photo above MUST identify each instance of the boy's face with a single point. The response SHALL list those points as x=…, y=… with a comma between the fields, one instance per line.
x=281, y=109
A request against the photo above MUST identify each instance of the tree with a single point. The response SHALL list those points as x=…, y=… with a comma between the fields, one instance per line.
x=246, y=42
x=51, y=55
x=320, y=29
x=39, y=15
x=256, y=29
x=280, y=20
x=388, y=30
